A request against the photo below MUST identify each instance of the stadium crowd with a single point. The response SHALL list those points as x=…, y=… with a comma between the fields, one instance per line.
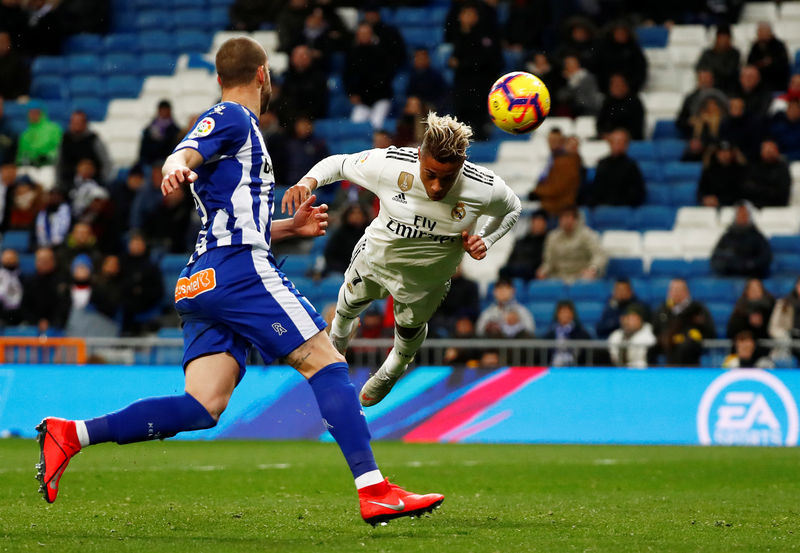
x=97, y=233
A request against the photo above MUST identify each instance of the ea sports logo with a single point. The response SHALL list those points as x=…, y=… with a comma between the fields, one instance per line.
x=747, y=407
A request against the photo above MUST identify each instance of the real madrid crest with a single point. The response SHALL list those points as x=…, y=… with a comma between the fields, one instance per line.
x=405, y=181
x=459, y=211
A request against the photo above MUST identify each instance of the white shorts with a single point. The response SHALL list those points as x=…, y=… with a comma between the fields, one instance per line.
x=362, y=286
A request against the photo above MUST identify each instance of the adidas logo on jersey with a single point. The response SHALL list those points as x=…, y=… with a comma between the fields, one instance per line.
x=401, y=197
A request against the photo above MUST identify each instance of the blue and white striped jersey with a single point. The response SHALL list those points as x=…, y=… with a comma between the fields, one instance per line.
x=234, y=190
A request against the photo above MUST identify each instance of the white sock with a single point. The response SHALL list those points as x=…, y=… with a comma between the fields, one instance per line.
x=403, y=351
x=341, y=327
x=83, y=434
x=369, y=479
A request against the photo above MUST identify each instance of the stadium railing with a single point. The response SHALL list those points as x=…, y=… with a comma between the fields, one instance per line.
x=43, y=350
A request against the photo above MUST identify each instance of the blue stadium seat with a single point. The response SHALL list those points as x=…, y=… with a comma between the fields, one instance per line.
x=786, y=263
x=542, y=312
x=85, y=85
x=440, y=57
x=170, y=332
x=155, y=41
x=658, y=290
x=713, y=289
x=173, y=263
x=484, y=152
x=121, y=43
x=606, y=217
x=589, y=290
x=19, y=240
x=642, y=290
x=95, y=108
x=659, y=194
x=779, y=286
x=120, y=64
x=192, y=19
x=643, y=150
x=682, y=171
x=218, y=18
x=546, y=290
x=48, y=66
x=589, y=312
x=683, y=193
x=625, y=267
x=721, y=313
x=325, y=291
x=297, y=265
x=653, y=217
x=699, y=268
x=350, y=145
x=21, y=331
x=58, y=109
x=49, y=88
x=670, y=149
x=652, y=36
x=220, y=3
x=146, y=4
x=339, y=105
x=785, y=244
x=665, y=129
x=513, y=60
x=422, y=37
x=158, y=64
x=399, y=85
x=16, y=110
x=669, y=268
x=27, y=263
x=149, y=20
x=193, y=41
x=83, y=64
x=119, y=86
x=419, y=17
x=84, y=43
x=651, y=171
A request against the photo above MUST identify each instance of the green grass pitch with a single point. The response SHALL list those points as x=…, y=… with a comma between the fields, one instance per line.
x=299, y=497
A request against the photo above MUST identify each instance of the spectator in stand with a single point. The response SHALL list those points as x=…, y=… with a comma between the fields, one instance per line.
x=784, y=324
x=304, y=87
x=621, y=109
x=143, y=287
x=695, y=151
x=107, y=289
x=756, y=96
x=487, y=18
x=425, y=82
x=681, y=324
x=526, y=257
x=10, y=288
x=785, y=128
x=370, y=90
x=25, y=201
x=461, y=302
x=381, y=139
x=694, y=100
x=572, y=251
x=566, y=326
x=80, y=241
x=160, y=136
x=542, y=66
x=8, y=180
x=38, y=143
x=464, y=330
x=768, y=181
x=85, y=188
x=53, y=220
x=744, y=130
x=411, y=123
x=80, y=143
x=722, y=60
x=175, y=231
x=8, y=137
x=45, y=296
x=45, y=30
x=290, y=22
x=505, y=317
x=618, y=180
x=123, y=195
x=84, y=319
x=747, y=354
x=560, y=182
x=706, y=123
x=752, y=311
x=620, y=54
x=16, y=79
x=303, y=150
x=580, y=40
x=339, y=248
x=792, y=93
x=249, y=15
x=147, y=205
x=622, y=297
x=477, y=61
x=389, y=37
x=579, y=95
x=526, y=25
x=769, y=55
x=721, y=181
x=742, y=250
x=631, y=344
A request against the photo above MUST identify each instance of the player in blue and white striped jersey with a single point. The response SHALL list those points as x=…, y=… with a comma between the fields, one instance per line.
x=231, y=296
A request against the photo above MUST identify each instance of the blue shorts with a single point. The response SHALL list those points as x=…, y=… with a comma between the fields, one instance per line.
x=233, y=297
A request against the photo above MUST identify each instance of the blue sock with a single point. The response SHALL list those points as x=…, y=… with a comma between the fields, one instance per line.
x=343, y=417
x=150, y=419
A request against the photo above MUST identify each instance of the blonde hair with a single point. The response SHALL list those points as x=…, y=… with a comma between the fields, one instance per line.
x=446, y=139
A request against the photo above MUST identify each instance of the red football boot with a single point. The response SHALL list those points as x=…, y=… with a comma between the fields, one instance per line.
x=58, y=442
x=385, y=501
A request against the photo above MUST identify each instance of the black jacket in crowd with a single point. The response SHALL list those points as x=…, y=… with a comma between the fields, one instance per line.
x=618, y=181
x=742, y=251
x=722, y=181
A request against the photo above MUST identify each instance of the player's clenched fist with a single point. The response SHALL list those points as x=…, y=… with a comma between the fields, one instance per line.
x=173, y=179
x=474, y=245
x=297, y=194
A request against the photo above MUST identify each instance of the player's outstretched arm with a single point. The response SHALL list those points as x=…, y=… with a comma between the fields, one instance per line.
x=177, y=169
x=309, y=221
x=298, y=194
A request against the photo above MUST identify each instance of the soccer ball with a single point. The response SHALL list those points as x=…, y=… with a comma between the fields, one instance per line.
x=518, y=102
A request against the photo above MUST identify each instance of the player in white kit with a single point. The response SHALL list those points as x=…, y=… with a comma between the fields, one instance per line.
x=431, y=199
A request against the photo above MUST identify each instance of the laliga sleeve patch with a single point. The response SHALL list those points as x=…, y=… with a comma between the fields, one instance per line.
x=203, y=128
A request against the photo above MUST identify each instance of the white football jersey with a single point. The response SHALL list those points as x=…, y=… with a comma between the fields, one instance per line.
x=415, y=242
